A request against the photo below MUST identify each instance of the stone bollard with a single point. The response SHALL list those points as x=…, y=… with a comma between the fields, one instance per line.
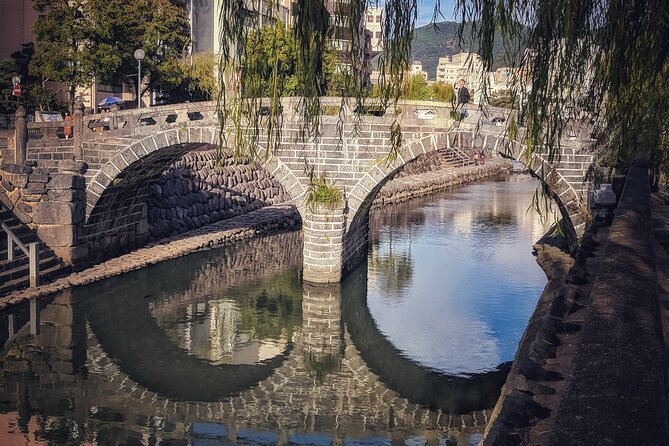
x=20, y=136
x=78, y=131
x=323, y=242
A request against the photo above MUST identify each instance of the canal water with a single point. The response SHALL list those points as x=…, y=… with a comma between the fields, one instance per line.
x=228, y=346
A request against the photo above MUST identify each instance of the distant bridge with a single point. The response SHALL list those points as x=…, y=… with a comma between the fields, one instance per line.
x=123, y=152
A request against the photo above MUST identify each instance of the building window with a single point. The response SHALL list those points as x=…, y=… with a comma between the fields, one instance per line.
x=378, y=19
x=370, y=18
x=378, y=34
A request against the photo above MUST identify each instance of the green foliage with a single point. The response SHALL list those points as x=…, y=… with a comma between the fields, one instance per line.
x=504, y=98
x=609, y=60
x=321, y=192
x=189, y=79
x=441, y=91
x=415, y=87
x=33, y=95
x=62, y=47
x=79, y=40
x=271, y=53
x=8, y=103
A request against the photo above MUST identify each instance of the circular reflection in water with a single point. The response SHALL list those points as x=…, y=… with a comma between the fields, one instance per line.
x=452, y=279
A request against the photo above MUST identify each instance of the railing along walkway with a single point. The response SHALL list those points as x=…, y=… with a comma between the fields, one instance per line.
x=31, y=251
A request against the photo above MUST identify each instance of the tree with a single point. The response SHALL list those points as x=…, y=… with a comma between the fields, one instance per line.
x=62, y=47
x=159, y=27
x=81, y=40
x=270, y=52
x=608, y=59
x=33, y=94
x=189, y=79
x=441, y=91
x=416, y=87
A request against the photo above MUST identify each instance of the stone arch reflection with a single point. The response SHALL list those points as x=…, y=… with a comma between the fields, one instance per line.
x=416, y=383
x=126, y=318
x=324, y=385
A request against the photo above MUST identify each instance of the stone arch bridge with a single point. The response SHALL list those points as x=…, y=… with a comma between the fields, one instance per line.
x=102, y=175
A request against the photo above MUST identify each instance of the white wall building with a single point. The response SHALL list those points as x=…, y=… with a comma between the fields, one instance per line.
x=373, y=22
x=467, y=66
x=417, y=68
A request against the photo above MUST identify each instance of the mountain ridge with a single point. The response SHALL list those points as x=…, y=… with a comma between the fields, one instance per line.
x=440, y=39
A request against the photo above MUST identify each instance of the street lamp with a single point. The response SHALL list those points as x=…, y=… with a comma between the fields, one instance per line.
x=139, y=55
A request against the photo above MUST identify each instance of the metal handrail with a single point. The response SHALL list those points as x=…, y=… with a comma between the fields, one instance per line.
x=464, y=158
x=31, y=251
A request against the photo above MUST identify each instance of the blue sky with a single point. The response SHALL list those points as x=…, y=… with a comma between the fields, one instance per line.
x=426, y=9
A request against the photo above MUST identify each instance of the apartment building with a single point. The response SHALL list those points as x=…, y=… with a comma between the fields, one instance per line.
x=467, y=66
x=206, y=26
x=373, y=23
x=343, y=41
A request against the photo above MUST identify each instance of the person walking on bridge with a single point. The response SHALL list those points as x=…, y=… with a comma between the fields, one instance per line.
x=463, y=98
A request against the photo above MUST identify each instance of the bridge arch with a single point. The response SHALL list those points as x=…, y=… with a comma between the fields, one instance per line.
x=116, y=194
x=181, y=139
x=563, y=192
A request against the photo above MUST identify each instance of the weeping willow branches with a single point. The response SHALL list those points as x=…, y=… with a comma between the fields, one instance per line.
x=250, y=109
x=586, y=60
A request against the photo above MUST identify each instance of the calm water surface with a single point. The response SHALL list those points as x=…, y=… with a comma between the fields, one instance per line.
x=229, y=346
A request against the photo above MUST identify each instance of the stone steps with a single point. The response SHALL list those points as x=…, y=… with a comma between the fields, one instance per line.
x=15, y=274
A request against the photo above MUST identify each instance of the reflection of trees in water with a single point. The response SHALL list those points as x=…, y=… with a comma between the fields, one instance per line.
x=398, y=215
x=495, y=219
x=270, y=316
x=224, y=319
x=393, y=271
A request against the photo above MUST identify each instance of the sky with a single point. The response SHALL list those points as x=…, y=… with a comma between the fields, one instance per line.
x=426, y=9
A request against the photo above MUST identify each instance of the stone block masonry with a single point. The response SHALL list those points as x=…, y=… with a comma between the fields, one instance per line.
x=323, y=230
x=194, y=191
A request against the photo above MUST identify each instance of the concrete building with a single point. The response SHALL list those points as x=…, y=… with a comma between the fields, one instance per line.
x=467, y=66
x=374, y=24
x=16, y=24
x=340, y=16
x=206, y=26
x=417, y=68
x=501, y=79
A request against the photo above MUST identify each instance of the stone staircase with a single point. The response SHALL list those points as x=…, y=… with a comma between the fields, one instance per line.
x=454, y=157
x=15, y=274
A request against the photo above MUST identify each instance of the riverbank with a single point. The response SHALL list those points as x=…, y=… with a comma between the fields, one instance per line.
x=263, y=221
x=589, y=368
x=406, y=187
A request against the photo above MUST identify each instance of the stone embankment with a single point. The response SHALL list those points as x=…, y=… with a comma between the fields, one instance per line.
x=590, y=369
x=405, y=187
x=194, y=192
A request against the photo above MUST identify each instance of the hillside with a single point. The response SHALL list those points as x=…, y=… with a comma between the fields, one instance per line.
x=432, y=42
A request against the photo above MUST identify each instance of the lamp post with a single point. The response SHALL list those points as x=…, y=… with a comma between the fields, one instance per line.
x=139, y=55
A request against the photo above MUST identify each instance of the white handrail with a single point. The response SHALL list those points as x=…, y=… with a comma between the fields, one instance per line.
x=31, y=251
